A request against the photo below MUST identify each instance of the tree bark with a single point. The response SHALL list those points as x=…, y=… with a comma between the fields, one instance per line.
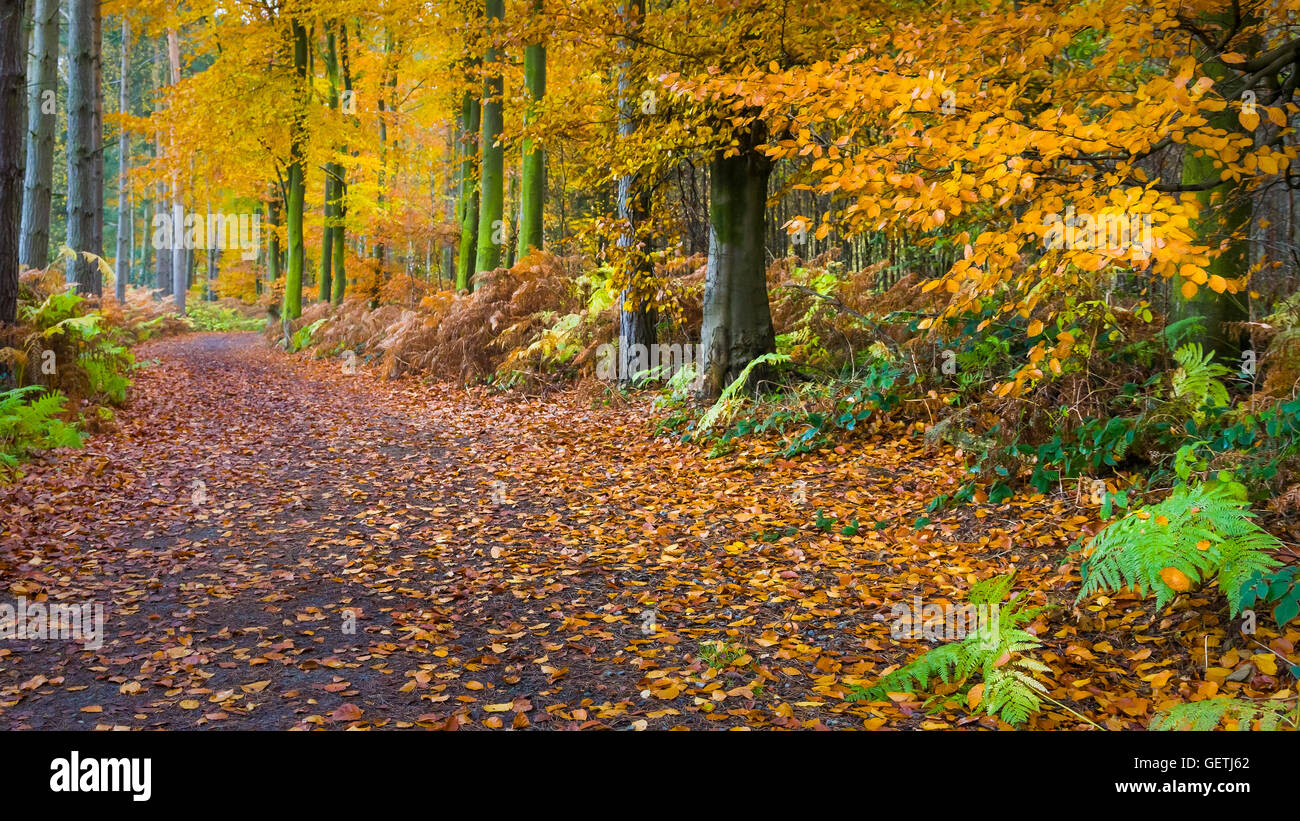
x=13, y=84
x=123, y=269
x=636, y=316
x=297, y=178
x=273, y=240
x=1226, y=212
x=162, y=209
x=340, y=279
x=180, y=261
x=42, y=115
x=737, y=326
x=97, y=130
x=533, y=171
x=491, y=157
x=82, y=204
x=467, y=208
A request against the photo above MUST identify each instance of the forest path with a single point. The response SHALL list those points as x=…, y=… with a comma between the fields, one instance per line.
x=277, y=543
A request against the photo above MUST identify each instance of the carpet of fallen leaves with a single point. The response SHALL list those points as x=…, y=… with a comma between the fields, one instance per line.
x=279, y=544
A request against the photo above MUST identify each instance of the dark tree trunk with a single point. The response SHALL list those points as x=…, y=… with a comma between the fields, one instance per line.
x=13, y=84
x=82, y=204
x=737, y=325
x=124, y=214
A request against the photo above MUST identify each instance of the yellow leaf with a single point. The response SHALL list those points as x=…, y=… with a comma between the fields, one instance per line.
x=975, y=695
x=1188, y=289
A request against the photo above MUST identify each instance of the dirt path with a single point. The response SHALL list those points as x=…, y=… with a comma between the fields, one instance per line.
x=279, y=544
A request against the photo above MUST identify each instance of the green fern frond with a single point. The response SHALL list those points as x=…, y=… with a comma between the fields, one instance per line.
x=1201, y=532
x=1201, y=716
x=996, y=651
x=1197, y=378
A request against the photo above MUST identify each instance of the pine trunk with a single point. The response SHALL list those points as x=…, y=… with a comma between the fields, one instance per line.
x=13, y=85
x=42, y=115
x=82, y=205
x=123, y=260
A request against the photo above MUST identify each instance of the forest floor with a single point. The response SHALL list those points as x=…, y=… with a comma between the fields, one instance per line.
x=279, y=544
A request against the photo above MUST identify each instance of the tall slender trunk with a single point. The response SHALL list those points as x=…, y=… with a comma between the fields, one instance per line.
x=297, y=178
x=467, y=208
x=327, y=238
x=82, y=203
x=737, y=325
x=339, y=173
x=491, y=228
x=180, y=261
x=97, y=128
x=533, y=172
x=162, y=246
x=42, y=115
x=13, y=84
x=331, y=171
x=123, y=269
x=273, y=240
x=636, y=319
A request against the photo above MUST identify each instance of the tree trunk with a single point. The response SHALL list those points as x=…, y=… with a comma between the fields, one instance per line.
x=491, y=228
x=331, y=170
x=467, y=208
x=636, y=317
x=297, y=180
x=13, y=85
x=1226, y=211
x=82, y=205
x=273, y=241
x=123, y=269
x=97, y=131
x=340, y=180
x=327, y=238
x=533, y=172
x=42, y=115
x=737, y=325
x=180, y=261
x=162, y=246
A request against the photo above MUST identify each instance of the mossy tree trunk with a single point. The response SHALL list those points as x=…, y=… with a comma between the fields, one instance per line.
x=533, y=171
x=737, y=326
x=491, y=228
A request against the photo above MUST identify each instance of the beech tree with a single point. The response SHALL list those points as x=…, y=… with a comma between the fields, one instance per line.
x=491, y=227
